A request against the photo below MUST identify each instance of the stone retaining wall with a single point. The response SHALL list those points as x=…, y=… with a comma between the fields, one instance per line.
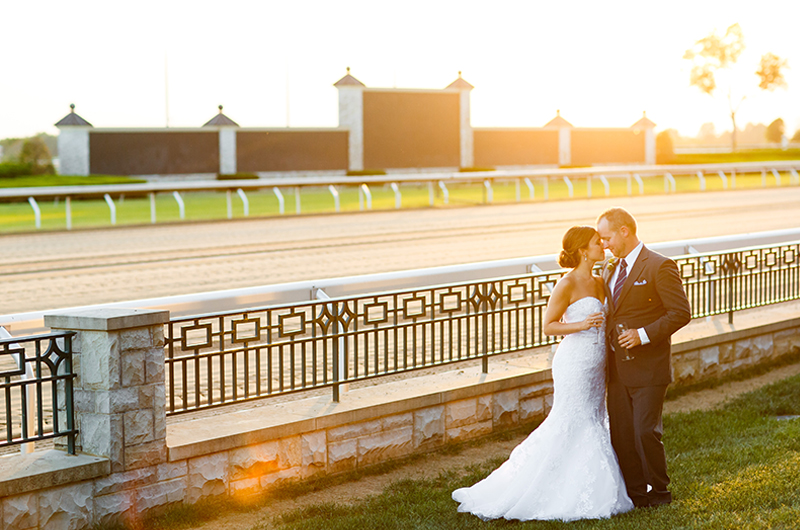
x=48, y=496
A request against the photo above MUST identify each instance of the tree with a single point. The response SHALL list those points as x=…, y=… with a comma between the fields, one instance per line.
x=36, y=154
x=665, y=147
x=716, y=53
x=774, y=132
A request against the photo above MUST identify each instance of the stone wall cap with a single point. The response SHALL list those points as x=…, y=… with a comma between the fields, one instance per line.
x=106, y=319
x=46, y=469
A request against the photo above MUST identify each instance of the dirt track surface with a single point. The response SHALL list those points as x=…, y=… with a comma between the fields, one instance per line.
x=43, y=271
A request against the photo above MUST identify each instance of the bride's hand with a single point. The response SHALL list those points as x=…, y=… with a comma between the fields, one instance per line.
x=595, y=320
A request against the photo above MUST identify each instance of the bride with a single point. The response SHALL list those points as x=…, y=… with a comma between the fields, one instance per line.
x=566, y=469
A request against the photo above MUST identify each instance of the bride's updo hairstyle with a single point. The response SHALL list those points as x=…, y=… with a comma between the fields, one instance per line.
x=576, y=239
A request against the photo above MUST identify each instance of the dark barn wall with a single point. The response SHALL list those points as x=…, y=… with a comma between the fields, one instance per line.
x=153, y=153
x=514, y=147
x=411, y=129
x=291, y=150
x=607, y=146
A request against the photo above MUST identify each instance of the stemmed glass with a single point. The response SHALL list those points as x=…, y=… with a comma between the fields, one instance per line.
x=622, y=328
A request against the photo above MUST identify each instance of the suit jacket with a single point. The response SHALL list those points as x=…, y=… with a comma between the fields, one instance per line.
x=652, y=298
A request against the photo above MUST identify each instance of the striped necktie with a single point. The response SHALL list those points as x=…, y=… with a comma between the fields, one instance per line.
x=621, y=276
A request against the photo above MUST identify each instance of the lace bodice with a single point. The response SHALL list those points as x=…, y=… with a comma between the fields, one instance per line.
x=566, y=469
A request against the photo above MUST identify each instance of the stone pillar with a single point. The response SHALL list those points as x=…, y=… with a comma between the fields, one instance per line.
x=73, y=149
x=467, y=158
x=351, y=117
x=227, y=150
x=120, y=404
x=650, y=146
x=564, y=146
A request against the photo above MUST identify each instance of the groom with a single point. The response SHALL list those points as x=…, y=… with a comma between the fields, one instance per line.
x=645, y=294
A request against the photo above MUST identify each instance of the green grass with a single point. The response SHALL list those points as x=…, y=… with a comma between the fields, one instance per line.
x=206, y=206
x=35, y=181
x=749, y=155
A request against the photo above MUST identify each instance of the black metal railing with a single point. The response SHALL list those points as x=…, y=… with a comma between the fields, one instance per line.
x=36, y=378
x=224, y=358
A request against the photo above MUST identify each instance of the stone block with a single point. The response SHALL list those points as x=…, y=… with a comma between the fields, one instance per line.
x=483, y=411
x=146, y=454
x=291, y=452
x=762, y=348
x=117, y=482
x=172, y=470
x=429, y=427
x=684, y=370
x=68, y=508
x=384, y=446
x=537, y=390
x=742, y=349
x=154, y=366
x=100, y=367
x=354, y=430
x=505, y=408
x=138, y=427
x=532, y=409
x=135, y=339
x=342, y=456
x=157, y=336
x=548, y=402
x=133, y=371
x=255, y=460
x=20, y=512
x=161, y=494
x=396, y=421
x=280, y=477
x=709, y=360
x=459, y=413
x=727, y=352
x=246, y=487
x=121, y=400
x=83, y=401
x=101, y=435
x=115, y=508
x=314, y=447
x=207, y=477
x=466, y=432
x=786, y=342
x=741, y=364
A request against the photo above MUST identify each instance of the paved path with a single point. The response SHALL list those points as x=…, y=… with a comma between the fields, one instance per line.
x=62, y=269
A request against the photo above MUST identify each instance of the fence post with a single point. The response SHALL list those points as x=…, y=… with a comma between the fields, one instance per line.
x=120, y=405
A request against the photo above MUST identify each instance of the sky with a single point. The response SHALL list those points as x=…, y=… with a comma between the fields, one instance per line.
x=152, y=63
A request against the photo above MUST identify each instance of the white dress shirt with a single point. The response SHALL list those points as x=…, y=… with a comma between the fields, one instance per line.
x=630, y=260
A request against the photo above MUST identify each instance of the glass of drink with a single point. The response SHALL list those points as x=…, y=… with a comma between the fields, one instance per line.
x=622, y=328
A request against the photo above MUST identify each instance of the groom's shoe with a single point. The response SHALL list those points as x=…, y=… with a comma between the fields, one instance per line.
x=640, y=502
x=659, y=499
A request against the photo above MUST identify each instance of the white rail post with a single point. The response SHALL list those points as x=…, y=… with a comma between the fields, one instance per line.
x=360, y=199
x=531, y=190
x=669, y=182
x=569, y=185
x=68, y=207
x=152, y=207
x=487, y=184
x=795, y=177
x=518, y=189
x=606, y=185
x=245, y=202
x=340, y=362
x=630, y=187
x=589, y=186
x=229, y=203
x=724, y=178
x=111, y=207
x=281, y=203
x=639, y=181
x=181, y=206
x=368, y=194
x=332, y=189
x=297, y=200
x=398, y=199
x=702, y=180
x=37, y=213
x=777, y=178
x=445, y=192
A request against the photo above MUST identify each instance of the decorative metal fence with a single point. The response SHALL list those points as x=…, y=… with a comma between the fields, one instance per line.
x=218, y=359
x=36, y=375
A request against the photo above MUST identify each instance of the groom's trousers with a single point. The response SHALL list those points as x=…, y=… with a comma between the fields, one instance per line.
x=636, y=429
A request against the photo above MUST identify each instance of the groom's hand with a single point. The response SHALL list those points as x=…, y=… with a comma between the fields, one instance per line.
x=630, y=339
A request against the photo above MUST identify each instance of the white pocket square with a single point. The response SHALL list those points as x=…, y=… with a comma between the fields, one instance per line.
x=643, y=282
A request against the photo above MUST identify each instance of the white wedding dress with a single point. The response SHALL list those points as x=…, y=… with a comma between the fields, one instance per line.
x=566, y=469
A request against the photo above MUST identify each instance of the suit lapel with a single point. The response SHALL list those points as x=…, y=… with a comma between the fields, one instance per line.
x=634, y=274
x=606, y=276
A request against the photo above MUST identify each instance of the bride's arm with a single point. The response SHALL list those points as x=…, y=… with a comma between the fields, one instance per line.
x=557, y=306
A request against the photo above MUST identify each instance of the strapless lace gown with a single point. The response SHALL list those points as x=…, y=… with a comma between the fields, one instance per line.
x=566, y=469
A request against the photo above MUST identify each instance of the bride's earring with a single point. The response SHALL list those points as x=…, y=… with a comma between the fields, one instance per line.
x=585, y=258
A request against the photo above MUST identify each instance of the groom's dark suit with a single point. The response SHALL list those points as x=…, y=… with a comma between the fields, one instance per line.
x=652, y=298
